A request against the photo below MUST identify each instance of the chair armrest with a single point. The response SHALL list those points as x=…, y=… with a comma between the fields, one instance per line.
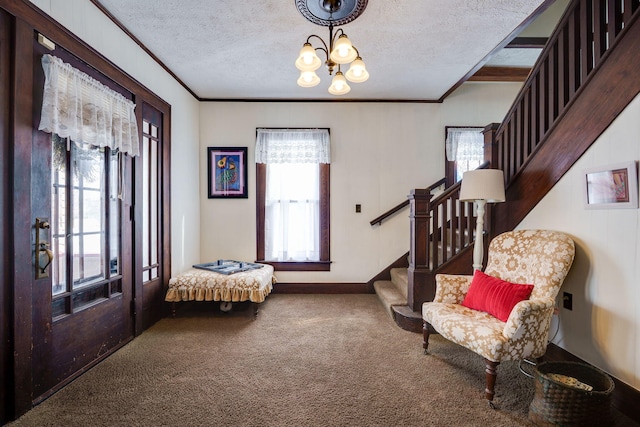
x=530, y=318
x=451, y=288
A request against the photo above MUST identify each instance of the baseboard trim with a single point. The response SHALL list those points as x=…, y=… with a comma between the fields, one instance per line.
x=322, y=288
x=624, y=397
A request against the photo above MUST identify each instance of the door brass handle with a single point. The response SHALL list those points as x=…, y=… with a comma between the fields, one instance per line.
x=44, y=256
x=48, y=258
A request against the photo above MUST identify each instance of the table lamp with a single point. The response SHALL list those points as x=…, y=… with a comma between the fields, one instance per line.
x=481, y=186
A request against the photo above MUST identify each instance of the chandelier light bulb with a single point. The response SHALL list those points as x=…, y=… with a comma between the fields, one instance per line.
x=357, y=71
x=307, y=59
x=339, y=85
x=343, y=51
x=308, y=79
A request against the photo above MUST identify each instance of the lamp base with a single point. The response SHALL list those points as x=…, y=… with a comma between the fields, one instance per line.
x=478, y=244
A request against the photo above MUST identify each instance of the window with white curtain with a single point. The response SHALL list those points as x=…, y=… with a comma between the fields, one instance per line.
x=292, y=206
x=464, y=146
x=292, y=178
x=92, y=127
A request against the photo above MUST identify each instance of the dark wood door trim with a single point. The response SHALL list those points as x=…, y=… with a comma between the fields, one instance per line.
x=22, y=125
x=5, y=217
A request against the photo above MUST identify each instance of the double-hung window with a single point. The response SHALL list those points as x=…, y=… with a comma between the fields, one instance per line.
x=292, y=175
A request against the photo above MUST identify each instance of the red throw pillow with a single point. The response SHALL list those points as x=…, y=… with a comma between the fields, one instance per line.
x=495, y=296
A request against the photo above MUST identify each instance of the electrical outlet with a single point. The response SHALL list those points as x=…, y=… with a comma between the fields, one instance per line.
x=358, y=208
x=567, y=300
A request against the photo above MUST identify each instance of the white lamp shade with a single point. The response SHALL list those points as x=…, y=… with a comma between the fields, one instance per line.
x=308, y=60
x=339, y=85
x=308, y=79
x=343, y=51
x=483, y=184
x=357, y=71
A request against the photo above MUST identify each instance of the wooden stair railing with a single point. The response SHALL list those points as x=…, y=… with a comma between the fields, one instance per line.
x=404, y=204
x=582, y=40
x=587, y=74
x=544, y=110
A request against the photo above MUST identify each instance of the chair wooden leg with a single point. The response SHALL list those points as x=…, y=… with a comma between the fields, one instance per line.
x=491, y=371
x=425, y=336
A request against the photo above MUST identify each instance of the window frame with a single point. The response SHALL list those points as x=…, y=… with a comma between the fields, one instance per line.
x=324, y=264
x=101, y=287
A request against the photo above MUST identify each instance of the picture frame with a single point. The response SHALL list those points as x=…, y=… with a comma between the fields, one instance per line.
x=611, y=187
x=227, y=172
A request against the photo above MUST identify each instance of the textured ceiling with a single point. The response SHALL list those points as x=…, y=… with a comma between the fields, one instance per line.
x=230, y=49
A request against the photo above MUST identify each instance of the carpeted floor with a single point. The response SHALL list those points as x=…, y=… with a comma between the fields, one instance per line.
x=308, y=360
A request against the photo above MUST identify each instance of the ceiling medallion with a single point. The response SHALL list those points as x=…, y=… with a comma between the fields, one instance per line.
x=331, y=12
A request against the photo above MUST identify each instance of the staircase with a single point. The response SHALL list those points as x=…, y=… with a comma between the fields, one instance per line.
x=587, y=74
x=393, y=292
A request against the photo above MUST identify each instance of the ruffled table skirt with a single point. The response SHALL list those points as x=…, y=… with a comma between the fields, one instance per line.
x=203, y=285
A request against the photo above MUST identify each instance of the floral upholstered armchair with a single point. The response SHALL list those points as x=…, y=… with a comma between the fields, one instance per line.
x=492, y=313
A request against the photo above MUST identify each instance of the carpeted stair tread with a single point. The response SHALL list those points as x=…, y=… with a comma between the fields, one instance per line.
x=389, y=295
x=400, y=278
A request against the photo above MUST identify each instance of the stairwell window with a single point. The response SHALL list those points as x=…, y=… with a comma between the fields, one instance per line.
x=292, y=177
x=464, y=148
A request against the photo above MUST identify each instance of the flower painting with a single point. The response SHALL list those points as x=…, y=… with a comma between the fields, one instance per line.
x=227, y=168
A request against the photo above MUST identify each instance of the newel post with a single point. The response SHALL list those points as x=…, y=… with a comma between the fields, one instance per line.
x=419, y=252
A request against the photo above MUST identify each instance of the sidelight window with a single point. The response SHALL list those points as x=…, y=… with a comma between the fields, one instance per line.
x=150, y=206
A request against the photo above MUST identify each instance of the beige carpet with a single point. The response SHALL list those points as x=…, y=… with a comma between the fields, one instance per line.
x=308, y=360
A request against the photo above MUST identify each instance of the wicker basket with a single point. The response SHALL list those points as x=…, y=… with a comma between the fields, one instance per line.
x=556, y=403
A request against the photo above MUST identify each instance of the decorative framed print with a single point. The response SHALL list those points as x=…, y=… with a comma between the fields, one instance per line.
x=614, y=186
x=227, y=172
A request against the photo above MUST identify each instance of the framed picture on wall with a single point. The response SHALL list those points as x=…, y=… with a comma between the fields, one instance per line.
x=227, y=172
x=613, y=186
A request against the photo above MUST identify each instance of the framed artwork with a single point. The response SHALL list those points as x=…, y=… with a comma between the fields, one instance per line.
x=227, y=172
x=614, y=186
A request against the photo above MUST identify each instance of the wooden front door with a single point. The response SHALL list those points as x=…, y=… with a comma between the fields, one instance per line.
x=82, y=289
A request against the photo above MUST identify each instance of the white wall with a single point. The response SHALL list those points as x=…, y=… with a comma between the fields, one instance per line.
x=83, y=19
x=604, y=326
x=380, y=151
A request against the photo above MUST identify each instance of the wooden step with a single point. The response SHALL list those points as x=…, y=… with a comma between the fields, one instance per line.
x=407, y=319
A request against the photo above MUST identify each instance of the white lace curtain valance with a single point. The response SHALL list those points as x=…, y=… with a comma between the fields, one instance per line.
x=293, y=146
x=78, y=107
x=465, y=139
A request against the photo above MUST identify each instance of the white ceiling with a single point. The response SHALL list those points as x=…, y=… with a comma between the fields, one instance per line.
x=413, y=49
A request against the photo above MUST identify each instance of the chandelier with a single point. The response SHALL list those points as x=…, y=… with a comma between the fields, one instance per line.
x=339, y=51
